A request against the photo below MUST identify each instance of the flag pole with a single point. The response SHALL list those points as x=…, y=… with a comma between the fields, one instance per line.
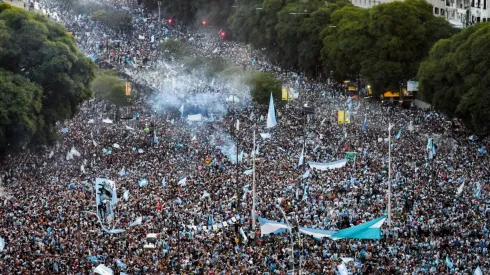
x=389, y=175
x=253, y=187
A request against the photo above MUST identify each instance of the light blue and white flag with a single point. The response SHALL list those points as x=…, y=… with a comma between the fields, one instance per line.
x=245, y=191
x=301, y=157
x=183, y=182
x=210, y=220
x=364, y=124
x=245, y=239
x=103, y=270
x=248, y=172
x=267, y=227
x=271, y=115
x=478, y=271
x=482, y=151
x=164, y=182
x=306, y=174
x=138, y=221
x=449, y=263
x=477, y=190
x=92, y=259
x=2, y=244
x=122, y=173
x=297, y=193
x=342, y=269
x=126, y=195
x=399, y=134
x=120, y=264
x=370, y=230
x=305, y=193
x=143, y=182
x=431, y=149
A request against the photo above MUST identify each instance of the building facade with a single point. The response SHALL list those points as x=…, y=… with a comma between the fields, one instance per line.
x=459, y=13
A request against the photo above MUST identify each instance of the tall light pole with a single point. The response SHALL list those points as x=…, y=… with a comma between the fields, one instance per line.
x=278, y=206
x=159, y=18
x=253, y=187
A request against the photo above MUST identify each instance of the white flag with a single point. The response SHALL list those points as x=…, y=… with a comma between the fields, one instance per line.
x=271, y=115
x=238, y=125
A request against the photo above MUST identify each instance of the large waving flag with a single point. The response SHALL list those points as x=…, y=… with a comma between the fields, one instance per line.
x=370, y=230
x=316, y=233
x=271, y=115
x=478, y=271
x=103, y=270
x=271, y=227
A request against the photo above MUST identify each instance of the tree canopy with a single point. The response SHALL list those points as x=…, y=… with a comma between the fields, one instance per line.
x=262, y=85
x=455, y=77
x=384, y=44
x=42, y=70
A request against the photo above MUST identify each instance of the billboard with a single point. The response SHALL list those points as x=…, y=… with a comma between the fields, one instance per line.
x=412, y=86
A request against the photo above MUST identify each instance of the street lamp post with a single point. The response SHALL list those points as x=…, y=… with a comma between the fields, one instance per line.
x=159, y=18
x=278, y=206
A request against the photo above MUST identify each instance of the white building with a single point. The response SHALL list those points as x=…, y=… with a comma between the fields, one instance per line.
x=459, y=13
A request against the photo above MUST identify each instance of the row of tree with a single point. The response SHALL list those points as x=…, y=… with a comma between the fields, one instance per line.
x=43, y=77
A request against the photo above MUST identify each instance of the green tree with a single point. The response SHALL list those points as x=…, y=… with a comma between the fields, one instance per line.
x=262, y=85
x=310, y=39
x=41, y=51
x=108, y=86
x=454, y=78
x=345, y=45
x=20, y=110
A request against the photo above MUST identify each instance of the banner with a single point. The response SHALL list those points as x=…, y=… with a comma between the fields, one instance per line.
x=350, y=155
x=128, y=88
x=285, y=94
x=340, y=118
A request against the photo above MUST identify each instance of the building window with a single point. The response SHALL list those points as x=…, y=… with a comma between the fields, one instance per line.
x=436, y=11
x=442, y=12
x=473, y=3
x=484, y=20
x=484, y=4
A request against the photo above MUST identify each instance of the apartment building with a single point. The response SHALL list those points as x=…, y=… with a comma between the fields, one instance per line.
x=459, y=13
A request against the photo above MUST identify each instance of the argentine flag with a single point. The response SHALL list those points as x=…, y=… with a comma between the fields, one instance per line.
x=364, y=124
x=305, y=193
x=431, y=149
x=2, y=244
x=399, y=134
x=449, y=263
x=301, y=157
x=210, y=220
x=164, y=182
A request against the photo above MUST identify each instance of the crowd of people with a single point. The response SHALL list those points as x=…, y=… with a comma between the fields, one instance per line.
x=175, y=177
